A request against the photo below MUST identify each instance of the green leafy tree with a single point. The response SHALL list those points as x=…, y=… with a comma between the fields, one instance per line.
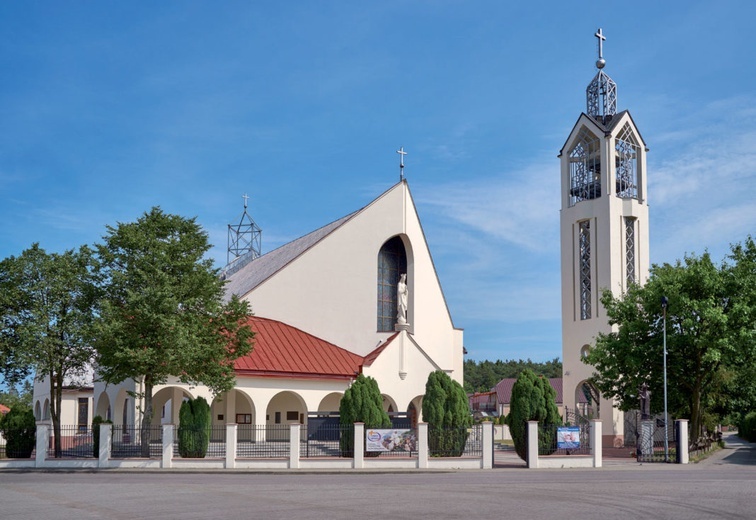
x=700, y=340
x=20, y=431
x=533, y=399
x=194, y=428
x=482, y=376
x=13, y=396
x=446, y=410
x=46, y=303
x=163, y=313
x=362, y=402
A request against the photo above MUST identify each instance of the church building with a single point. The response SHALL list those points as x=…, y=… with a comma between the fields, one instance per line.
x=358, y=295
x=604, y=235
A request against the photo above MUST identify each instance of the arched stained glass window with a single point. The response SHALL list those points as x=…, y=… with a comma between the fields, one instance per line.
x=392, y=262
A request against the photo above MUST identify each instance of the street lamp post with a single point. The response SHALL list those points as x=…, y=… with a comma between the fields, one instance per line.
x=664, y=303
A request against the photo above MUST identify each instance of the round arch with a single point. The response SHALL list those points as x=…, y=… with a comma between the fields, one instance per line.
x=102, y=408
x=331, y=402
x=588, y=400
x=414, y=410
x=234, y=407
x=46, y=410
x=37, y=411
x=163, y=406
x=286, y=407
x=389, y=404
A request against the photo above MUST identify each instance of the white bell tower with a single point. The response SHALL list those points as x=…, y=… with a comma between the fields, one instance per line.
x=604, y=235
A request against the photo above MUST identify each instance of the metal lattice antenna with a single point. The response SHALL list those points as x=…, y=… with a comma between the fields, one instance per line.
x=401, y=153
x=601, y=94
x=244, y=238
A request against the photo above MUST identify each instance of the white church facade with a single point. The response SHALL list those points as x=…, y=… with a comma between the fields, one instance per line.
x=604, y=229
x=326, y=309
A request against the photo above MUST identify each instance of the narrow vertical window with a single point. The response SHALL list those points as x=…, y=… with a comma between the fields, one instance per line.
x=392, y=263
x=630, y=250
x=626, y=163
x=585, y=168
x=585, y=269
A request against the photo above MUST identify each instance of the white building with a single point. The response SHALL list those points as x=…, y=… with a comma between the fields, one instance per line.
x=604, y=234
x=325, y=310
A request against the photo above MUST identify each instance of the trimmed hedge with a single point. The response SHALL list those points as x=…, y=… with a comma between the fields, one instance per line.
x=194, y=428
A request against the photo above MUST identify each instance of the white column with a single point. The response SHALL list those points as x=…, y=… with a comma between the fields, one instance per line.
x=43, y=439
x=294, y=436
x=106, y=441
x=231, y=438
x=167, y=446
x=532, y=453
x=177, y=397
x=596, y=443
x=422, y=445
x=488, y=453
x=359, y=445
x=682, y=441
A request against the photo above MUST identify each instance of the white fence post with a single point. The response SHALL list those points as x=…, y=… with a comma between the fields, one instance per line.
x=532, y=453
x=167, y=461
x=106, y=442
x=295, y=430
x=43, y=439
x=597, y=443
x=682, y=441
x=422, y=445
x=359, y=445
x=231, y=439
x=488, y=451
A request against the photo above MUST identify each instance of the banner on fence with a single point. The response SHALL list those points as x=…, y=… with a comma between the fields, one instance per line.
x=568, y=437
x=390, y=440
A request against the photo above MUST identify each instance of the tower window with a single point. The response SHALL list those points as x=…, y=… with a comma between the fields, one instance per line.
x=626, y=163
x=392, y=263
x=630, y=250
x=584, y=240
x=585, y=168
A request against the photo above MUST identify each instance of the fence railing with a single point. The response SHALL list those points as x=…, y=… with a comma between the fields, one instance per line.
x=75, y=442
x=21, y=445
x=455, y=442
x=200, y=443
x=127, y=442
x=324, y=440
x=262, y=441
x=564, y=440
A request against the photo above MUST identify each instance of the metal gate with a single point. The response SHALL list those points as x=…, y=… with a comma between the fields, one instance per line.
x=647, y=436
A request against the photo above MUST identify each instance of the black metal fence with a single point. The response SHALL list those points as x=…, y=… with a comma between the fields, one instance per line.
x=126, y=441
x=263, y=441
x=75, y=442
x=456, y=442
x=561, y=440
x=322, y=438
x=200, y=442
x=647, y=437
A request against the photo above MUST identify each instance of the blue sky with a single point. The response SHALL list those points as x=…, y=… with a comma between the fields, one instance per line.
x=110, y=108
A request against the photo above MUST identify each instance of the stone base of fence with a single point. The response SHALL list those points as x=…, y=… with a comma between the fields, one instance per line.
x=594, y=460
x=229, y=460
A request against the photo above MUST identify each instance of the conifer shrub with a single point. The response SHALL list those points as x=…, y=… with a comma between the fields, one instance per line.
x=20, y=431
x=446, y=410
x=362, y=402
x=194, y=428
x=96, y=422
x=533, y=399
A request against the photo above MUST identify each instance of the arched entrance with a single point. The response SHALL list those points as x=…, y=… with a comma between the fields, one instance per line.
x=103, y=406
x=285, y=408
x=166, y=404
x=588, y=400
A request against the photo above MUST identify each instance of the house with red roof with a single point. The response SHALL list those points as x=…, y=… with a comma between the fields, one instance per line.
x=358, y=295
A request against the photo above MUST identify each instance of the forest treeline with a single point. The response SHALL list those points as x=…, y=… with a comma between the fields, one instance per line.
x=482, y=376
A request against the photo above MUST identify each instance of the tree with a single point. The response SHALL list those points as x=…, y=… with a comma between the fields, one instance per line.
x=162, y=313
x=446, y=410
x=484, y=375
x=362, y=402
x=700, y=340
x=20, y=430
x=533, y=399
x=194, y=428
x=47, y=312
x=13, y=396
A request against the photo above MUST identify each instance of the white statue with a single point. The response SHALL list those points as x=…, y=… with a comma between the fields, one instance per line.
x=402, y=295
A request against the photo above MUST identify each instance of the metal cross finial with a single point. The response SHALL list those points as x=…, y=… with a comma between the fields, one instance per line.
x=246, y=198
x=601, y=39
x=401, y=153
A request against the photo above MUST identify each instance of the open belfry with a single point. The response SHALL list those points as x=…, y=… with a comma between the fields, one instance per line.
x=604, y=235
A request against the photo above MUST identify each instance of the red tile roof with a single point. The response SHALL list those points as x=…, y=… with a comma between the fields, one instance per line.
x=372, y=356
x=281, y=350
x=4, y=409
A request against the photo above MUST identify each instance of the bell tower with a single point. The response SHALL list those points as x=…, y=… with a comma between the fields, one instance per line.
x=604, y=235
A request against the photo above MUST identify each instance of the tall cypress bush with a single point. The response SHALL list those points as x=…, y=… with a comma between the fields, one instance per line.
x=533, y=399
x=446, y=410
x=194, y=428
x=20, y=431
x=362, y=402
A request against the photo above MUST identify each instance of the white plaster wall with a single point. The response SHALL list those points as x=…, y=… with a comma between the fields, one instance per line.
x=330, y=291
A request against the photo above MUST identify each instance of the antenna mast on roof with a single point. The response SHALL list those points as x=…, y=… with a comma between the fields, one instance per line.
x=244, y=238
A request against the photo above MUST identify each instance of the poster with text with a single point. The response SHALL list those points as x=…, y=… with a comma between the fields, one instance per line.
x=390, y=440
x=568, y=437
